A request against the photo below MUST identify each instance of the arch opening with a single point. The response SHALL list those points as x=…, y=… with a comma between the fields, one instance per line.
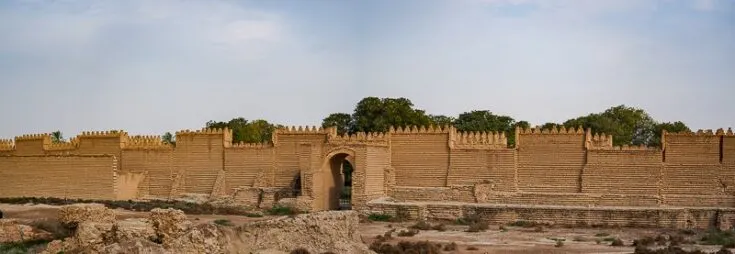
x=339, y=182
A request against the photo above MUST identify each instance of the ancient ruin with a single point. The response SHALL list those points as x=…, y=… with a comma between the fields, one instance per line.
x=567, y=176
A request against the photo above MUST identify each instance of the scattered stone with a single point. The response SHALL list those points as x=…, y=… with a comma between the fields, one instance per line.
x=12, y=231
x=72, y=215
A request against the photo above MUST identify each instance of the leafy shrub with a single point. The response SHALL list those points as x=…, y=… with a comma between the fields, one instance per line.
x=471, y=248
x=421, y=225
x=450, y=247
x=379, y=217
x=300, y=251
x=439, y=227
x=617, y=242
x=140, y=206
x=718, y=237
x=479, y=226
x=559, y=243
x=602, y=234
x=423, y=247
x=408, y=233
x=523, y=224
x=223, y=222
x=281, y=210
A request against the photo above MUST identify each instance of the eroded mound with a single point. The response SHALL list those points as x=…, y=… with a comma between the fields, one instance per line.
x=170, y=231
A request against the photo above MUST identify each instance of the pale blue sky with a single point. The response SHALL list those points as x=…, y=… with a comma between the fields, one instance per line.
x=153, y=66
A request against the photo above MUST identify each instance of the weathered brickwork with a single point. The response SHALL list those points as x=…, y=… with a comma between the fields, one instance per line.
x=417, y=165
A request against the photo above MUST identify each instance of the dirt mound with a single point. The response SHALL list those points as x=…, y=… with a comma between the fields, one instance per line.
x=76, y=214
x=332, y=231
x=12, y=231
x=169, y=231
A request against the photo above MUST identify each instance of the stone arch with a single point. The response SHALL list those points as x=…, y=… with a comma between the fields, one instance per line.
x=332, y=178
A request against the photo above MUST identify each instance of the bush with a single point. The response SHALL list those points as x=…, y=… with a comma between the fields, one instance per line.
x=281, y=210
x=439, y=227
x=718, y=237
x=523, y=224
x=223, y=222
x=379, y=217
x=408, y=233
x=602, y=234
x=421, y=225
x=617, y=242
x=423, y=247
x=559, y=243
x=300, y=251
x=479, y=226
x=450, y=247
x=471, y=248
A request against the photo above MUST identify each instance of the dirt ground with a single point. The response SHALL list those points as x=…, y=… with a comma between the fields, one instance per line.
x=507, y=239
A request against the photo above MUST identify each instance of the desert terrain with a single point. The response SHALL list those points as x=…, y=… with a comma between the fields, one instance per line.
x=446, y=237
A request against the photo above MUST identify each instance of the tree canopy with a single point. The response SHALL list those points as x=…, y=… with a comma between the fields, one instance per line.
x=627, y=125
x=256, y=131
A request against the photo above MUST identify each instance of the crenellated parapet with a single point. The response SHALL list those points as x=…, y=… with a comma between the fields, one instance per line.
x=361, y=138
x=243, y=145
x=598, y=141
x=431, y=129
x=303, y=130
x=479, y=140
x=7, y=145
x=103, y=134
x=555, y=131
x=205, y=131
x=34, y=137
x=146, y=143
x=73, y=144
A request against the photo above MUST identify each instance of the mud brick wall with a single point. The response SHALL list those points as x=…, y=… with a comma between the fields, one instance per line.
x=470, y=166
x=727, y=174
x=287, y=156
x=623, y=172
x=692, y=165
x=243, y=164
x=420, y=159
x=447, y=194
x=550, y=162
x=377, y=159
x=157, y=166
x=199, y=158
x=85, y=177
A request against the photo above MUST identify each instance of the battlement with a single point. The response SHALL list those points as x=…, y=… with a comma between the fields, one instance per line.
x=205, y=131
x=63, y=146
x=553, y=131
x=103, y=134
x=253, y=145
x=370, y=138
x=300, y=130
x=480, y=140
x=146, y=142
x=431, y=129
x=34, y=137
x=599, y=141
x=6, y=145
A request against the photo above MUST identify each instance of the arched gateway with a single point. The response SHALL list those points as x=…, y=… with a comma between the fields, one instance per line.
x=339, y=171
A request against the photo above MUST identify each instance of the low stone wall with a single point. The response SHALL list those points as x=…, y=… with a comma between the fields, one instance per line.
x=483, y=194
x=660, y=217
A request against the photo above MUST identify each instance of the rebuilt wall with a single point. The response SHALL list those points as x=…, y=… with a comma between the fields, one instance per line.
x=550, y=161
x=558, y=167
x=420, y=159
x=76, y=176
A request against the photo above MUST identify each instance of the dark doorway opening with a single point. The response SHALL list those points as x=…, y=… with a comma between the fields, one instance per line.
x=339, y=188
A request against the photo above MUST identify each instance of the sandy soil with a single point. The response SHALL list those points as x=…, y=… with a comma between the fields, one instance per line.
x=509, y=240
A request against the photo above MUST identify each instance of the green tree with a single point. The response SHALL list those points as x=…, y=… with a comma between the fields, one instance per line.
x=256, y=131
x=342, y=121
x=484, y=120
x=627, y=125
x=168, y=138
x=441, y=120
x=374, y=114
x=669, y=127
x=57, y=137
